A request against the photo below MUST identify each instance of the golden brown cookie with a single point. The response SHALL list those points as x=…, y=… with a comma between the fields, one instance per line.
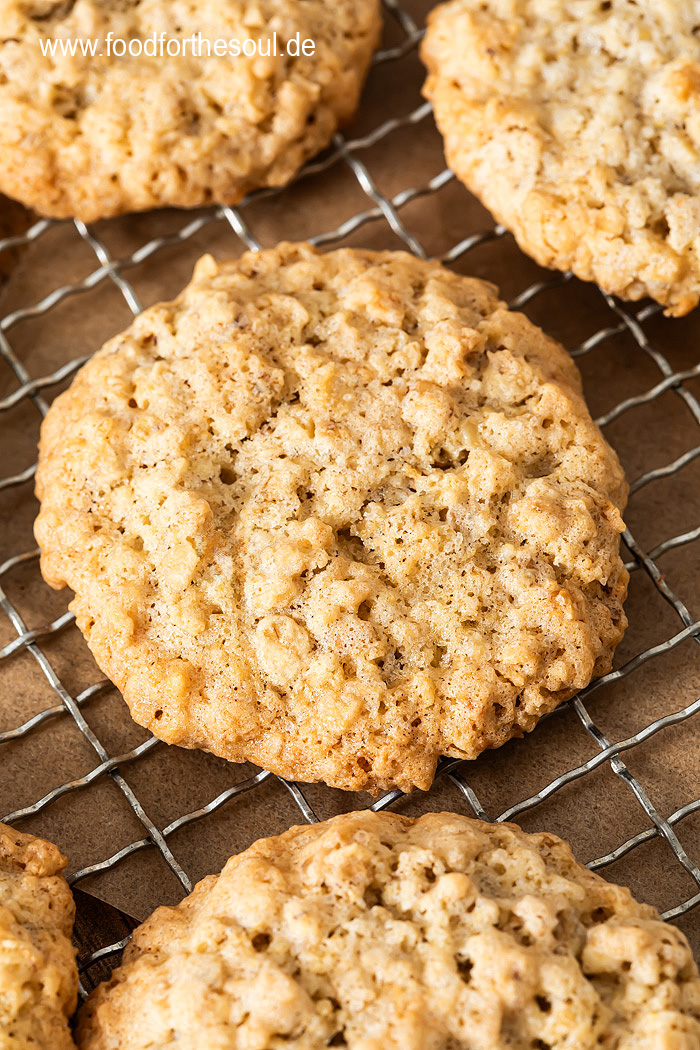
x=377, y=931
x=577, y=123
x=337, y=515
x=38, y=975
x=97, y=135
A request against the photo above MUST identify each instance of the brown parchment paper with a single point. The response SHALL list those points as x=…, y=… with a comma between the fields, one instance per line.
x=597, y=812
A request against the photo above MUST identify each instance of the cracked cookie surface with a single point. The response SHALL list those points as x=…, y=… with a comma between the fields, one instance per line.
x=577, y=123
x=376, y=930
x=38, y=974
x=89, y=136
x=336, y=514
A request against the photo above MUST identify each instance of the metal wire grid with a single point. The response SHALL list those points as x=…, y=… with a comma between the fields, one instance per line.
x=623, y=319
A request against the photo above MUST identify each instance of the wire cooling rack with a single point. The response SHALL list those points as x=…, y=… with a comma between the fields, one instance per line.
x=616, y=767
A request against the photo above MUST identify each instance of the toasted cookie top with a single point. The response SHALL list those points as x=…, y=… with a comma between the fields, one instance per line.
x=124, y=129
x=375, y=930
x=38, y=975
x=336, y=514
x=577, y=122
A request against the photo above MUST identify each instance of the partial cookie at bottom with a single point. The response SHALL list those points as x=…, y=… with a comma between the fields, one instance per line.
x=38, y=974
x=376, y=931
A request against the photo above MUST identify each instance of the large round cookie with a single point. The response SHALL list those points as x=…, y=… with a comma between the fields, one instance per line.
x=335, y=514
x=95, y=136
x=377, y=931
x=38, y=975
x=577, y=122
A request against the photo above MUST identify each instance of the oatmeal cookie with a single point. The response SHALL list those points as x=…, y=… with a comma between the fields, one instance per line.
x=378, y=931
x=38, y=975
x=336, y=514
x=577, y=123
x=97, y=135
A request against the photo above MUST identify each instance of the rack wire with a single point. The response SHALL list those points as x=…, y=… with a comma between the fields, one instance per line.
x=354, y=155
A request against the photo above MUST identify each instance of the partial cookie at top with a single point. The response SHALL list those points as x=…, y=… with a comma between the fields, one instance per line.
x=577, y=123
x=89, y=136
x=336, y=515
x=38, y=974
x=375, y=930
